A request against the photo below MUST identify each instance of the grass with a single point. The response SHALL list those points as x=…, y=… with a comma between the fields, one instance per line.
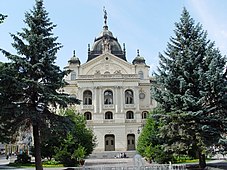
x=46, y=164
x=188, y=161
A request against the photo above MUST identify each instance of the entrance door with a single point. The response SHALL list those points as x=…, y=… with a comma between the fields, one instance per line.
x=130, y=142
x=109, y=143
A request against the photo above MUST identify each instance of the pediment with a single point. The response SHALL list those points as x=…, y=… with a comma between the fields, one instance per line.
x=107, y=63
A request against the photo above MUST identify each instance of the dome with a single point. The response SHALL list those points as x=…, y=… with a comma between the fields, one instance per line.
x=74, y=59
x=106, y=42
x=106, y=32
x=139, y=59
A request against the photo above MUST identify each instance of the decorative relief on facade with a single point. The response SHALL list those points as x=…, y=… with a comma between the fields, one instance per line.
x=107, y=66
x=117, y=72
x=97, y=72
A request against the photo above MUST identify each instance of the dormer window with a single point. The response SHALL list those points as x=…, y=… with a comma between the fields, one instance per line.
x=141, y=76
x=73, y=75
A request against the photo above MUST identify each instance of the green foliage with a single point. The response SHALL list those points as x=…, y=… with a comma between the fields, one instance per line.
x=78, y=143
x=149, y=135
x=150, y=144
x=64, y=154
x=51, y=163
x=34, y=80
x=79, y=153
x=7, y=89
x=191, y=88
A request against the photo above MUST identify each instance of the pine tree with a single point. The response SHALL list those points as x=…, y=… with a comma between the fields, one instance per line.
x=191, y=81
x=35, y=78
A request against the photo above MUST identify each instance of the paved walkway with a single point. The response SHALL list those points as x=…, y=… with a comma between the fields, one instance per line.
x=213, y=165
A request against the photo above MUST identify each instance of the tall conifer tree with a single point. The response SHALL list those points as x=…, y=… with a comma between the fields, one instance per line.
x=35, y=78
x=191, y=84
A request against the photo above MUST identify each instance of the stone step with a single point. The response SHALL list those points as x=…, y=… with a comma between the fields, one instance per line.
x=109, y=162
x=112, y=154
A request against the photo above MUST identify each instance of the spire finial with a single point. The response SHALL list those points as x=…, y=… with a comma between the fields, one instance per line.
x=138, y=52
x=88, y=47
x=105, y=16
x=74, y=53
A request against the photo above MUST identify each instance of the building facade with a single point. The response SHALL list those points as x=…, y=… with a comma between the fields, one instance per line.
x=115, y=93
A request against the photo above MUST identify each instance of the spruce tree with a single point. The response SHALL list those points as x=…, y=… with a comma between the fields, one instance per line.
x=191, y=82
x=35, y=79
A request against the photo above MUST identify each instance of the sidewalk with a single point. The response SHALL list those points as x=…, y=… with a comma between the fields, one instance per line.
x=212, y=165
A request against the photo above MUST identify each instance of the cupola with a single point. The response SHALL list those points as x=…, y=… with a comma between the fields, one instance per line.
x=139, y=59
x=105, y=42
x=74, y=59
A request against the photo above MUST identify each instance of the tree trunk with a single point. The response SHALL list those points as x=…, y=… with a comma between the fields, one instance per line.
x=36, y=135
x=202, y=160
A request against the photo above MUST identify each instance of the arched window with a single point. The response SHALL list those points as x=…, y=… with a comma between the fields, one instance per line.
x=87, y=97
x=108, y=115
x=129, y=115
x=108, y=97
x=73, y=75
x=129, y=97
x=141, y=76
x=87, y=115
x=144, y=115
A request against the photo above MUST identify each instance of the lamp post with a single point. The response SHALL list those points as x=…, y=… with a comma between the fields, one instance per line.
x=140, y=128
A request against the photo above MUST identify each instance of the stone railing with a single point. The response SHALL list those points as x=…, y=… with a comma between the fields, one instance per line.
x=112, y=76
x=108, y=106
x=87, y=107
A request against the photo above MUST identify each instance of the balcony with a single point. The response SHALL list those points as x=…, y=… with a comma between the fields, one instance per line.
x=87, y=107
x=130, y=106
x=130, y=120
x=109, y=106
x=108, y=121
x=145, y=107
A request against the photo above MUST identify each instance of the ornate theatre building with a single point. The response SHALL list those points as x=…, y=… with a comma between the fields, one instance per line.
x=115, y=93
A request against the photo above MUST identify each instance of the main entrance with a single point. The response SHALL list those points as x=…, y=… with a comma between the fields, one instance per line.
x=131, y=142
x=109, y=143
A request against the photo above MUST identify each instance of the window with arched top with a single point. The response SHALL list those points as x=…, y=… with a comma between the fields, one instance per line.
x=87, y=97
x=108, y=115
x=73, y=75
x=129, y=97
x=144, y=115
x=129, y=115
x=141, y=76
x=108, y=97
x=88, y=115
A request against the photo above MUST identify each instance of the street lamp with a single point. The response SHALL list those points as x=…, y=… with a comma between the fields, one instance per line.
x=140, y=128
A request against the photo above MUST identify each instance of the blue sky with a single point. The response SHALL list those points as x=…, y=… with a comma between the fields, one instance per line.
x=146, y=25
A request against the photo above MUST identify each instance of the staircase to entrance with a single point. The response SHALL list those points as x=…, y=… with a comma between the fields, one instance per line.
x=111, y=160
x=111, y=154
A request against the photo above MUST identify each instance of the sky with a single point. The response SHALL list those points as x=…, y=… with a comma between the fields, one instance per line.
x=146, y=25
